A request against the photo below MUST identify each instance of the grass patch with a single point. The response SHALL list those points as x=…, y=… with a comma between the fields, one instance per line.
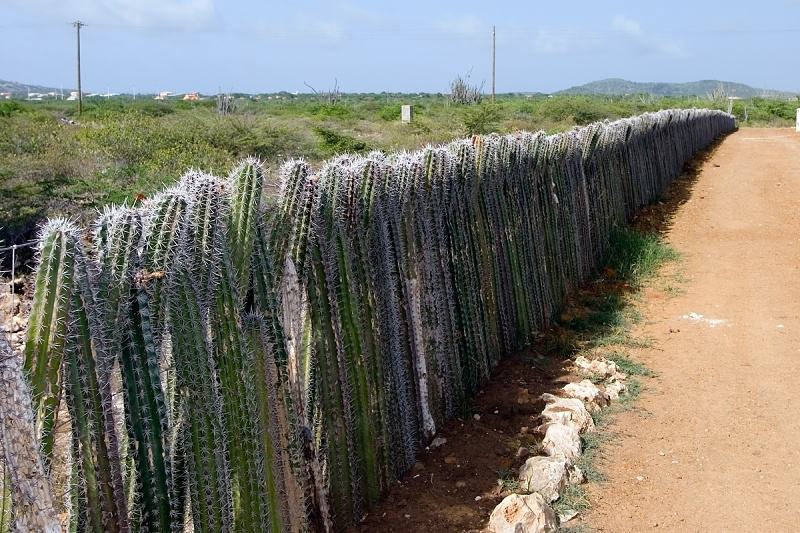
x=507, y=480
x=591, y=444
x=636, y=256
x=601, y=317
x=627, y=400
x=629, y=366
x=572, y=498
x=619, y=338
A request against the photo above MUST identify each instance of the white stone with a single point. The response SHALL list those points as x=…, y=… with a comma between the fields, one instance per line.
x=576, y=476
x=587, y=392
x=600, y=367
x=523, y=514
x=614, y=389
x=568, y=411
x=546, y=475
x=438, y=441
x=561, y=441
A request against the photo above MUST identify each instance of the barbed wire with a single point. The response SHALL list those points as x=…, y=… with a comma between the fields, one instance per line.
x=14, y=247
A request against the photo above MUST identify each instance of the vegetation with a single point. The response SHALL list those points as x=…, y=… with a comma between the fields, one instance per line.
x=122, y=149
x=281, y=362
x=635, y=256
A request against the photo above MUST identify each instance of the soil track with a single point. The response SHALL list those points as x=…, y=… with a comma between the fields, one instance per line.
x=714, y=446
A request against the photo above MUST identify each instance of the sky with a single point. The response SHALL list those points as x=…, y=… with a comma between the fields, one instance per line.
x=415, y=45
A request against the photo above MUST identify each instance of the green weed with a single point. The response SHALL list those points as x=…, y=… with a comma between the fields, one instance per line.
x=572, y=498
x=507, y=480
x=628, y=365
x=636, y=256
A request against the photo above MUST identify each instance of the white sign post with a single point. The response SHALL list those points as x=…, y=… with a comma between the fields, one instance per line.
x=405, y=113
x=798, y=120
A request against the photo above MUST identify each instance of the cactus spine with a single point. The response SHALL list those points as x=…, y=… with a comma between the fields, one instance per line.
x=281, y=364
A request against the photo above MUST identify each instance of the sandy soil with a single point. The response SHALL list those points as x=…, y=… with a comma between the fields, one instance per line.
x=714, y=445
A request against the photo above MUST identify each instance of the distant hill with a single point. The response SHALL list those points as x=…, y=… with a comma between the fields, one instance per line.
x=620, y=87
x=22, y=89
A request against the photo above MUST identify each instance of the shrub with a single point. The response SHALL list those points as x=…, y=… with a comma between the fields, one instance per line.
x=481, y=119
x=332, y=142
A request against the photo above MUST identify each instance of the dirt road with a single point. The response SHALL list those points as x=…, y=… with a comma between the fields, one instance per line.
x=716, y=444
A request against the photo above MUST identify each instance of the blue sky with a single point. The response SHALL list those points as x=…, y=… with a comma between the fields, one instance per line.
x=415, y=45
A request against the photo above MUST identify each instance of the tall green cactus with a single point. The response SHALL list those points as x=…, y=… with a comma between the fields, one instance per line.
x=193, y=285
x=47, y=324
x=281, y=364
x=247, y=186
x=130, y=327
x=66, y=307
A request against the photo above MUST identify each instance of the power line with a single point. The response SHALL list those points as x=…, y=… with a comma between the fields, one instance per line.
x=401, y=32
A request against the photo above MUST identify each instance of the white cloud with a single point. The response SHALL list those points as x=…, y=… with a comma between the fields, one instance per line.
x=627, y=26
x=174, y=14
x=636, y=36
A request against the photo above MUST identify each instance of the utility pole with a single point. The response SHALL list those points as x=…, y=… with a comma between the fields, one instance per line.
x=494, y=59
x=78, y=24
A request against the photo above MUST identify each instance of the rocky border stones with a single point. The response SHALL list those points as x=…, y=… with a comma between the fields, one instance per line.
x=542, y=479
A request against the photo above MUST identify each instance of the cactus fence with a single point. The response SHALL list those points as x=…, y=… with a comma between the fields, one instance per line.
x=234, y=363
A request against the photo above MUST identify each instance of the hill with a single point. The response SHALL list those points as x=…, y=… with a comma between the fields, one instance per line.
x=620, y=87
x=22, y=89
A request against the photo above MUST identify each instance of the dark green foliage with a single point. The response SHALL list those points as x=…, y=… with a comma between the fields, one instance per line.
x=482, y=118
x=332, y=142
x=9, y=108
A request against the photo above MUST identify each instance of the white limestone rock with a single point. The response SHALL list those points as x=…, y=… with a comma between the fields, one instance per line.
x=589, y=393
x=567, y=411
x=546, y=475
x=527, y=513
x=561, y=441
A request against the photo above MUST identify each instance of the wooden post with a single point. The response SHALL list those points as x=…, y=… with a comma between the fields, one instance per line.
x=78, y=25
x=494, y=60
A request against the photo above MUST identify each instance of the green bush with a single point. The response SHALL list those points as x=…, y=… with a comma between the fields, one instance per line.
x=332, y=111
x=10, y=107
x=390, y=112
x=482, y=118
x=332, y=142
x=579, y=110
